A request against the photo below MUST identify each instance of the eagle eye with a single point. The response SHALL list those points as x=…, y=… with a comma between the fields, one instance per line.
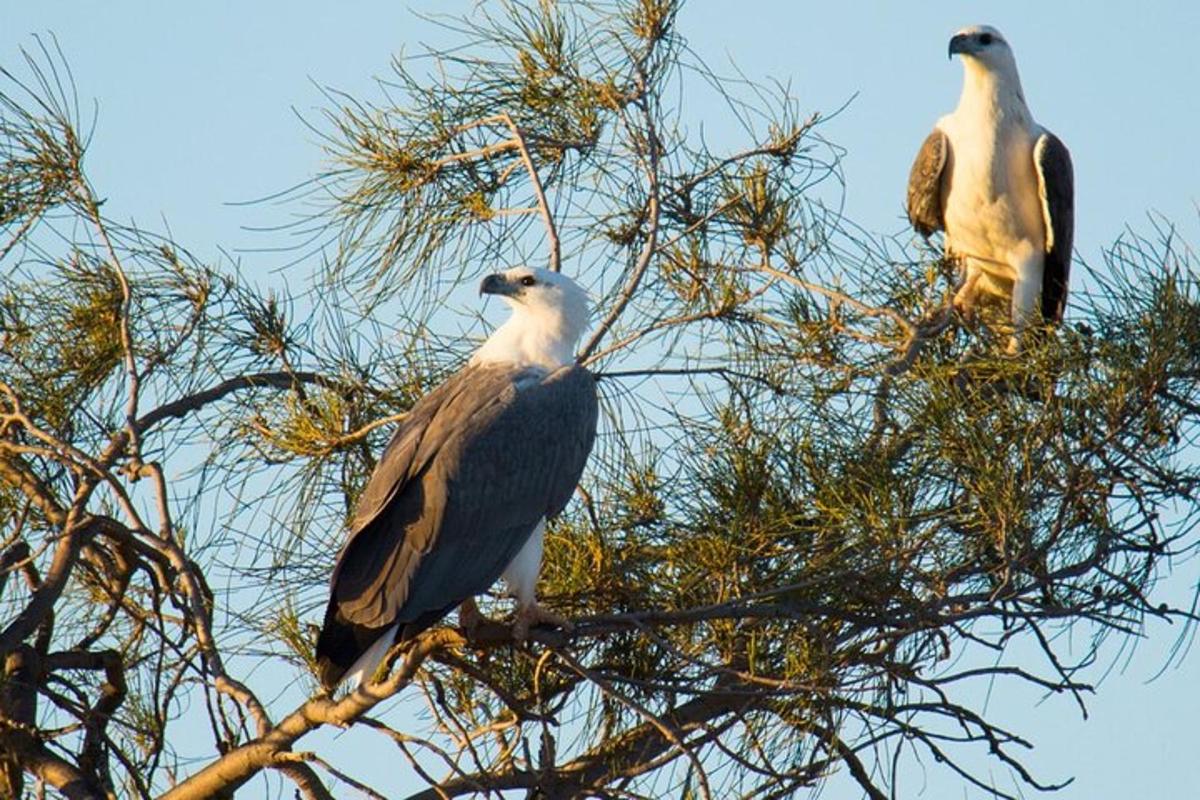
x=985, y=38
x=528, y=280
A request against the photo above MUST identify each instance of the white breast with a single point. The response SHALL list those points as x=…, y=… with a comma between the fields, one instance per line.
x=993, y=212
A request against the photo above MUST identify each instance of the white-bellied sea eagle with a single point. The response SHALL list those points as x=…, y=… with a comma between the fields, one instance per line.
x=463, y=490
x=1001, y=187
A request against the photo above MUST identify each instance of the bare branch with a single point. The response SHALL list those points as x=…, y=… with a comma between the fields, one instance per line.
x=543, y=206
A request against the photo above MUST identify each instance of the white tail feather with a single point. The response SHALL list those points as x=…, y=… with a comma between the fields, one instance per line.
x=369, y=661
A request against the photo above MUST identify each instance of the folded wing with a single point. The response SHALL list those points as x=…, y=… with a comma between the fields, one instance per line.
x=469, y=473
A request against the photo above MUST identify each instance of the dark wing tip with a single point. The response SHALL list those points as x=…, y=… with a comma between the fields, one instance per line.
x=339, y=645
x=925, y=202
x=329, y=674
x=1057, y=179
x=336, y=651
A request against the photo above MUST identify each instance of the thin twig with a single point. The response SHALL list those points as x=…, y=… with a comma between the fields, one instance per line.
x=536, y=182
x=649, y=247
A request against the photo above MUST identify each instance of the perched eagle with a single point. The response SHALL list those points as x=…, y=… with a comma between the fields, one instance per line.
x=1001, y=187
x=463, y=490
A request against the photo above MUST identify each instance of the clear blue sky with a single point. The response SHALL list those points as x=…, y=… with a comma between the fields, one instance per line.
x=196, y=112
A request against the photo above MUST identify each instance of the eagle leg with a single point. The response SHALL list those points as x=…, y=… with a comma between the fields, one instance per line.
x=1026, y=291
x=533, y=613
x=964, y=298
x=1026, y=294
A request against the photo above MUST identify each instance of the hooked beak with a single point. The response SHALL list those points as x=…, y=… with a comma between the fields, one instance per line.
x=960, y=44
x=497, y=283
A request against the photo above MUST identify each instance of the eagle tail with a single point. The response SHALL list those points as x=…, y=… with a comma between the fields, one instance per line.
x=350, y=652
x=366, y=664
x=342, y=647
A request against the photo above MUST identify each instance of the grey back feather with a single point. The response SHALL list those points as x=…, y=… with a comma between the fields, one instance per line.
x=469, y=473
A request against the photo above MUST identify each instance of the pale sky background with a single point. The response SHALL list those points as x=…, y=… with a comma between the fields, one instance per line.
x=196, y=112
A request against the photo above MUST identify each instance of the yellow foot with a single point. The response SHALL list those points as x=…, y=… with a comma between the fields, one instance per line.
x=470, y=618
x=535, y=614
x=965, y=309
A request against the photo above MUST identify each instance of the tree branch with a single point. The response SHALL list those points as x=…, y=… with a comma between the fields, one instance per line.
x=547, y=218
x=624, y=757
x=240, y=764
x=197, y=400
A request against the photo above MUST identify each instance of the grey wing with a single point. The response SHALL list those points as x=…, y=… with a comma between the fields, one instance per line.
x=393, y=525
x=1056, y=187
x=407, y=451
x=572, y=390
x=926, y=201
x=520, y=467
x=505, y=454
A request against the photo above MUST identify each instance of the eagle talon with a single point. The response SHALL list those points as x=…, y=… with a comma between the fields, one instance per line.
x=966, y=311
x=470, y=618
x=964, y=298
x=536, y=614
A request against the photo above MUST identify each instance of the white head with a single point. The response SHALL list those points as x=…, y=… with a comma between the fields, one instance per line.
x=550, y=314
x=984, y=48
